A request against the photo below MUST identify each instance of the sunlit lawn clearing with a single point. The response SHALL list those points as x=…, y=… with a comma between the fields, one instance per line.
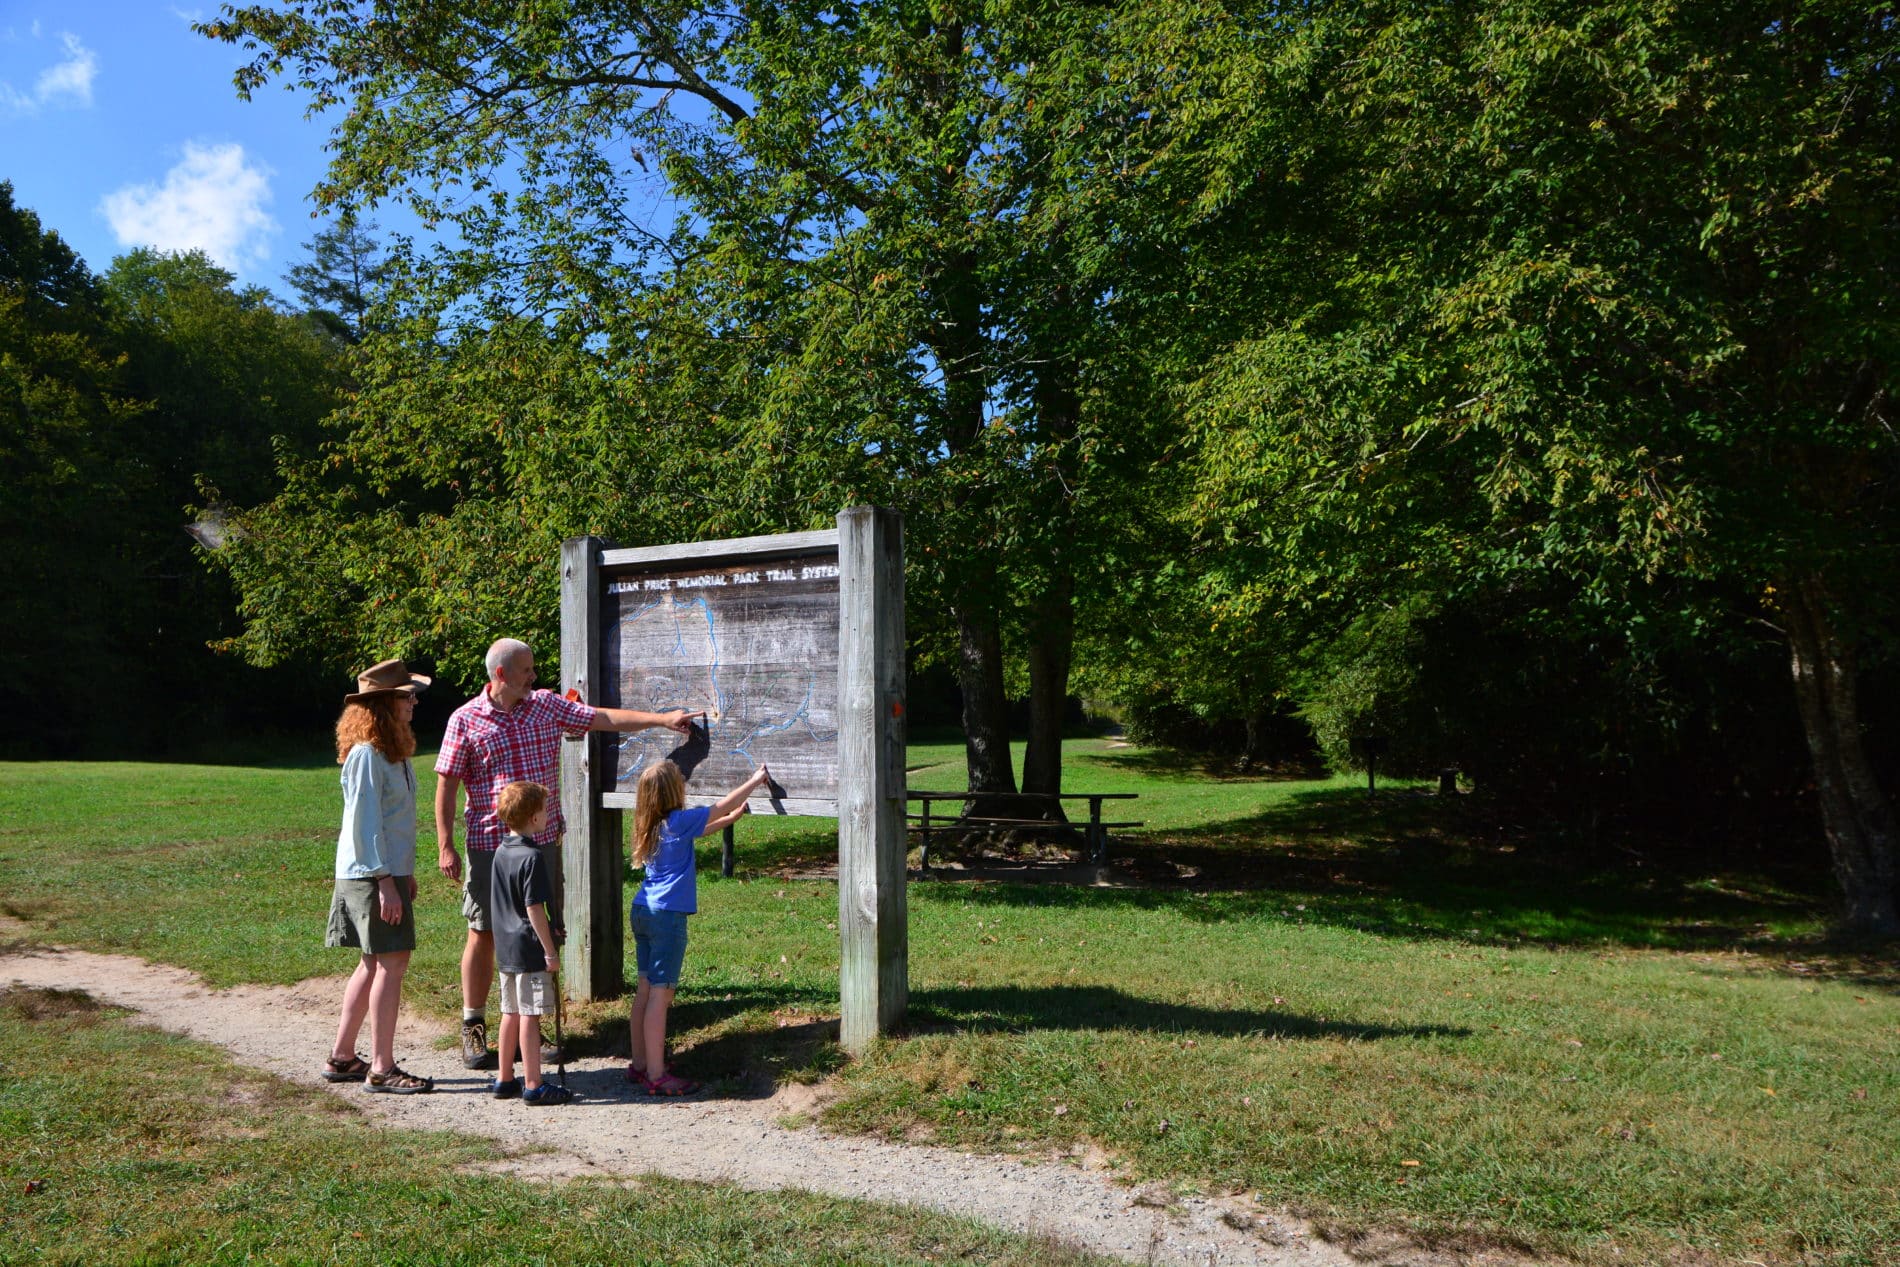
x=1379, y=986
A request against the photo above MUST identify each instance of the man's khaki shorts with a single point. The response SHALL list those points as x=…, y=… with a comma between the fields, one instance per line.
x=478, y=867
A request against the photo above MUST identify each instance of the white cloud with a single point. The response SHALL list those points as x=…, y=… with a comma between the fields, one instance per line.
x=70, y=78
x=212, y=201
x=63, y=83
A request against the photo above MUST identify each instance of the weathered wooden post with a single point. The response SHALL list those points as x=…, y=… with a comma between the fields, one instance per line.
x=591, y=850
x=790, y=648
x=873, y=917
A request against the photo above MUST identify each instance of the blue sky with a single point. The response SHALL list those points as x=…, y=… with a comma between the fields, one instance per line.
x=120, y=128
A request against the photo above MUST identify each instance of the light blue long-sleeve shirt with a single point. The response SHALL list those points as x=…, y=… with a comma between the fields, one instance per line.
x=379, y=817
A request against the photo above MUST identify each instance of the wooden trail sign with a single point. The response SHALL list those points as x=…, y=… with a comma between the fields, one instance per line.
x=793, y=648
x=752, y=646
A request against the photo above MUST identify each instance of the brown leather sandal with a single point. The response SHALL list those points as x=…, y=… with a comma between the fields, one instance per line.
x=397, y=1082
x=355, y=1069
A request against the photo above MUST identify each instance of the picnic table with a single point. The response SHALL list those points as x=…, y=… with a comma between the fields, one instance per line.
x=1095, y=831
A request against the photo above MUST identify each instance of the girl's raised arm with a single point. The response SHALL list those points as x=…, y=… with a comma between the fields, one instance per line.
x=730, y=807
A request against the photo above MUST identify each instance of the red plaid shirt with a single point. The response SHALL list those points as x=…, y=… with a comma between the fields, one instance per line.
x=488, y=749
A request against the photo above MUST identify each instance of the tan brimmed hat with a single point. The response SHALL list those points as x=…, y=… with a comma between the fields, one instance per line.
x=391, y=677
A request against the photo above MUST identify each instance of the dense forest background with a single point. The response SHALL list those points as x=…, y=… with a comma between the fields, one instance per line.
x=1511, y=382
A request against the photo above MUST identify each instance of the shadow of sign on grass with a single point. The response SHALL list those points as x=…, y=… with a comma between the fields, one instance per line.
x=1094, y=1007
x=790, y=1034
x=762, y=1037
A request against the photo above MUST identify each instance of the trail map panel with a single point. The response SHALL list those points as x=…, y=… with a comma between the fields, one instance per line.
x=753, y=645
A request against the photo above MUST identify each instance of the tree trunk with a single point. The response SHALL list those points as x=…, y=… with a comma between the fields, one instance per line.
x=985, y=703
x=1052, y=618
x=1053, y=637
x=1250, y=754
x=1855, y=812
x=956, y=339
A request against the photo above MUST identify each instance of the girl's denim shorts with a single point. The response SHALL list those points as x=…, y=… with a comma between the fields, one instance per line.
x=659, y=943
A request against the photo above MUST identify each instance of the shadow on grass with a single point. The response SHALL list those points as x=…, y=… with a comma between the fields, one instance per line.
x=1092, y=1007
x=762, y=1036
x=1406, y=864
x=1195, y=767
x=765, y=1036
x=1410, y=864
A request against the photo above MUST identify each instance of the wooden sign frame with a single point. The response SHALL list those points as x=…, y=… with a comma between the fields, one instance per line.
x=873, y=918
x=796, y=573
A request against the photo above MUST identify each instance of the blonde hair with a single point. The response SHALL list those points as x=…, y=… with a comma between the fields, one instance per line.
x=519, y=803
x=662, y=789
x=375, y=723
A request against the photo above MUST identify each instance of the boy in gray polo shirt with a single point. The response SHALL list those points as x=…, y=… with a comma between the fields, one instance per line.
x=519, y=889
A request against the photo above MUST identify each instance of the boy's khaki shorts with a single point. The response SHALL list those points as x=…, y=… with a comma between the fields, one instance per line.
x=527, y=994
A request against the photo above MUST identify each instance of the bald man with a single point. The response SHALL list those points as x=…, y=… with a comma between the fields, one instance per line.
x=509, y=733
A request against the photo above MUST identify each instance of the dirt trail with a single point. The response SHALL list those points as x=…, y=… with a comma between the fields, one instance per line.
x=287, y=1031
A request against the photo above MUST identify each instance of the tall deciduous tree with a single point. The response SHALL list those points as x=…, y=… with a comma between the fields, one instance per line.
x=65, y=417
x=124, y=399
x=879, y=172
x=1612, y=299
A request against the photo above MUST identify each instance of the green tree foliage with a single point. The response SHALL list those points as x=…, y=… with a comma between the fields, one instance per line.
x=230, y=378
x=65, y=417
x=1605, y=312
x=887, y=271
x=125, y=401
x=233, y=384
x=1500, y=372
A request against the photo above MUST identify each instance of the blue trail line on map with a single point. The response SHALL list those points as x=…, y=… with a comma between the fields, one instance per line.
x=679, y=650
x=801, y=713
x=636, y=746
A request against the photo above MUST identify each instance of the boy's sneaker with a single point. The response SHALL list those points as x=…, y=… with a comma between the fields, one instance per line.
x=547, y=1093
x=475, y=1053
x=509, y=1090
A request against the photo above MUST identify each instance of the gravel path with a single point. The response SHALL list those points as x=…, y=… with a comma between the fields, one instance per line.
x=287, y=1031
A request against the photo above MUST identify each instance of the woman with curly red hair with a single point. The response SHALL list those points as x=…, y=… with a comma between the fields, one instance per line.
x=372, y=908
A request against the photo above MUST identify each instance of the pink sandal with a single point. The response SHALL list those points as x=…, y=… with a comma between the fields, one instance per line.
x=671, y=1084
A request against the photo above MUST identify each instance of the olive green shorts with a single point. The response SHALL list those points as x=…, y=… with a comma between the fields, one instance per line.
x=356, y=919
x=478, y=870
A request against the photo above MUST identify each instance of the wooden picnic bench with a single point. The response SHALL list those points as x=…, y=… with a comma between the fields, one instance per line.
x=1095, y=831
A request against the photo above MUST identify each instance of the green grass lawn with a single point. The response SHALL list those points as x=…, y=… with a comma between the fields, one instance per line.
x=1385, y=1012
x=113, y=1157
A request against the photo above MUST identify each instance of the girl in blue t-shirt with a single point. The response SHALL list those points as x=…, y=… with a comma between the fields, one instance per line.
x=663, y=834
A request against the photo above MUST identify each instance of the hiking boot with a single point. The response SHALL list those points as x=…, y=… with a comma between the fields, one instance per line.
x=551, y=1055
x=475, y=1053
